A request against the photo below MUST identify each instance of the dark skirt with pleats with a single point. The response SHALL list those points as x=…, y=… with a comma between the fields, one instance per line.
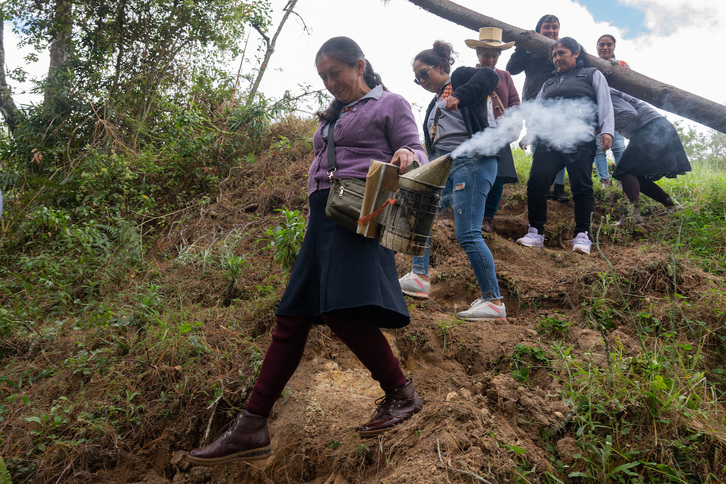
x=506, y=172
x=654, y=151
x=337, y=269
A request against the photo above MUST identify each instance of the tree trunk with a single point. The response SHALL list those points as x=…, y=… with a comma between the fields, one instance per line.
x=270, y=49
x=60, y=48
x=661, y=95
x=7, y=105
x=121, y=29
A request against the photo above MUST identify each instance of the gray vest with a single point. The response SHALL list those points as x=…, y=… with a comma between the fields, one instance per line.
x=576, y=83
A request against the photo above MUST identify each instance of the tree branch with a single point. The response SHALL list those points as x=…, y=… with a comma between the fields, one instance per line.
x=270, y=50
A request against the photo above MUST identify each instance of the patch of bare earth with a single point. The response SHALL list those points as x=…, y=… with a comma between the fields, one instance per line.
x=475, y=411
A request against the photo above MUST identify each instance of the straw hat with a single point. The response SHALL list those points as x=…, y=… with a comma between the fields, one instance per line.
x=490, y=37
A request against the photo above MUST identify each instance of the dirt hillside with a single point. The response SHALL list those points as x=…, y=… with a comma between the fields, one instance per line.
x=493, y=409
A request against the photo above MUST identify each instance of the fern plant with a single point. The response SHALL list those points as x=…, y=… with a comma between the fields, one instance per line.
x=4, y=473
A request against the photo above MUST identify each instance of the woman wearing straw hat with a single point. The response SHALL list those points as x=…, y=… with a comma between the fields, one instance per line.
x=458, y=111
x=488, y=49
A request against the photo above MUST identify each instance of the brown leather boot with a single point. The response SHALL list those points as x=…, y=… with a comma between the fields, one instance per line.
x=247, y=439
x=488, y=224
x=395, y=407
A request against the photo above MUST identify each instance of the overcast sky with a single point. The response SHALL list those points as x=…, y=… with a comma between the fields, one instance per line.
x=677, y=42
x=674, y=41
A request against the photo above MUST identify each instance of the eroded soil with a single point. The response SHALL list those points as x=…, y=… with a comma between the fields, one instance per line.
x=478, y=420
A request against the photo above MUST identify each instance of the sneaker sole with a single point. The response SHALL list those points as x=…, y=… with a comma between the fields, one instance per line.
x=581, y=251
x=532, y=246
x=486, y=318
x=254, y=454
x=417, y=295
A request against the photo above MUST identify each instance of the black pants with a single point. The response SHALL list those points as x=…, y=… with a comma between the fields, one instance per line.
x=546, y=162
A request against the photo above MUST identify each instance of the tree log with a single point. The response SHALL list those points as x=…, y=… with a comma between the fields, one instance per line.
x=664, y=96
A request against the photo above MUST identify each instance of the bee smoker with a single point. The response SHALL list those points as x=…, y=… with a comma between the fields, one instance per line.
x=406, y=224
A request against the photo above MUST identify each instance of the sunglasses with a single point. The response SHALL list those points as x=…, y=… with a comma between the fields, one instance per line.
x=423, y=75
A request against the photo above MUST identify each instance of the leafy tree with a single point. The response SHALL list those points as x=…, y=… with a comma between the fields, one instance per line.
x=117, y=63
x=703, y=146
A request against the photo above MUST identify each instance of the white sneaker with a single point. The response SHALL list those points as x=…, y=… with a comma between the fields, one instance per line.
x=581, y=243
x=412, y=285
x=532, y=239
x=481, y=309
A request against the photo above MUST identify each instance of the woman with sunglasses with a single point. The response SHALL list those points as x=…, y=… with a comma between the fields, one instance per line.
x=458, y=111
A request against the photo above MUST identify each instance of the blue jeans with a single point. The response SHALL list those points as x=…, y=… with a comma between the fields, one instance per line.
x=560, y=177
x=466, y=191
x=601, y=160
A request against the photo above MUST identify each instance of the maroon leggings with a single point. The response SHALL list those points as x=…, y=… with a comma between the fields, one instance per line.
x=288, y=343
x=634, y=185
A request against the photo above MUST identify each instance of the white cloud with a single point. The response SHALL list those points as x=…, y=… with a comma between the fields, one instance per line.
x=669, y=17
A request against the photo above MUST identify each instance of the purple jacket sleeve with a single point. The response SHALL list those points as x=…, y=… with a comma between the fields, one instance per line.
x=402, y=130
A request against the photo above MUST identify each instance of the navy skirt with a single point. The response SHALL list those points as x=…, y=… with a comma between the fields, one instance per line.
x=506, y=172
x=654, y=151
x=337, y=269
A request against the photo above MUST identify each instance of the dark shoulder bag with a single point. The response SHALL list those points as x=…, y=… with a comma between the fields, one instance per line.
x=346, y=194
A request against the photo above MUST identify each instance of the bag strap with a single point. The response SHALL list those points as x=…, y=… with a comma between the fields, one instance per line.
x=368, y=218
x=501, y=104
x=331, y=150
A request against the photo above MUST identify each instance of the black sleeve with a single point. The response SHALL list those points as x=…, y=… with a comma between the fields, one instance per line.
x=519, y=61
x=473, y=84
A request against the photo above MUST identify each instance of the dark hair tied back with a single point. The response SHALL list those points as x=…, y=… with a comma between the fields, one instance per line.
x=573, y=46
x=347, y=51
x=607, y=35
x=442, y=54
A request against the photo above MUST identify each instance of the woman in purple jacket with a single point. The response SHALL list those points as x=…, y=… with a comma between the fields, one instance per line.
x=340, y=279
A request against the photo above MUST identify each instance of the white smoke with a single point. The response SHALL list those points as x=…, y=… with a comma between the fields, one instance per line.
x=560, y=123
